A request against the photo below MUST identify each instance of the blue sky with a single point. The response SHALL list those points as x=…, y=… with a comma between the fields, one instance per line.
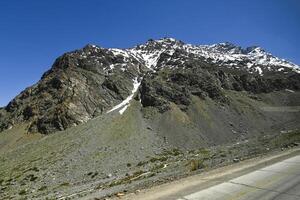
x=34, y=32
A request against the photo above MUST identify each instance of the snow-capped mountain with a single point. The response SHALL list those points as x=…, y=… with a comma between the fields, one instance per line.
x=254, y=59
x=92, y=81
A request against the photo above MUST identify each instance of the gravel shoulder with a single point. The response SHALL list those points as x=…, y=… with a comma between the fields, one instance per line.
x=209, y=178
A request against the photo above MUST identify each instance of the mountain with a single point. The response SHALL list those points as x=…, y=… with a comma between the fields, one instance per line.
x=103, y=121
x=88, y=82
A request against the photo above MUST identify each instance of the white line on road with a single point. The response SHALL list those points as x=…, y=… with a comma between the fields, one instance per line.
x=277, y=181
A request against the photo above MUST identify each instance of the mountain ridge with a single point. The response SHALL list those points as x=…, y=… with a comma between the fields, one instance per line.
x=86, y=83
x=103, y=121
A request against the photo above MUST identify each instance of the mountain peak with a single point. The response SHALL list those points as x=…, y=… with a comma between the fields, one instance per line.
x=165, y=40
x=226, y=44
x=91, y=46
x=254, y=49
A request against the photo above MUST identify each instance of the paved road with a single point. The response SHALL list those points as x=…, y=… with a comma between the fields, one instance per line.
x=274, y=176
x=280, y=181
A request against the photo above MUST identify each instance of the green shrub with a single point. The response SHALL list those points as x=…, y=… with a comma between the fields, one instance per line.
x=196, y=164
x=22, y=192
x=42, y=188
x=64, y=184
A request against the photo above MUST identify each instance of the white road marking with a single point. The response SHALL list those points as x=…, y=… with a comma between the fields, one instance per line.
x=270, y=182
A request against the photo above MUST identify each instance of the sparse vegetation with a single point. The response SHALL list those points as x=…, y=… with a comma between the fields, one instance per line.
x=22, y=192
x=157, y=167
x=160, y=159
x=42, y=188
x=94, y=175
x=196, y=164
x=141, y=163
x=65, y=184
x=31, y=177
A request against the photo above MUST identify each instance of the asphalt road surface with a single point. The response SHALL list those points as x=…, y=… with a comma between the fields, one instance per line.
x=274, y=177
x=280, y=181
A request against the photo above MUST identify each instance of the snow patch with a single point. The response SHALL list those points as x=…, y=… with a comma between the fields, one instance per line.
x=280, y=69
x=259, y=70
x=112, y=66
x=123, y=109
x=118, y=52
x=249, y=65
x=124, y=104
x=292, y=91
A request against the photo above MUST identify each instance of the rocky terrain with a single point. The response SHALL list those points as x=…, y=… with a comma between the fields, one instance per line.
x=104, y=118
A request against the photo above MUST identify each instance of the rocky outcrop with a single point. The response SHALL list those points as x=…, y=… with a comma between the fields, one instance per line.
x=73, y=91
x=177, y=86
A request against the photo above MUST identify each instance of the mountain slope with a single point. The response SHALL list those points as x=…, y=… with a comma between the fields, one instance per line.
x=126, y=119
x=115, y=152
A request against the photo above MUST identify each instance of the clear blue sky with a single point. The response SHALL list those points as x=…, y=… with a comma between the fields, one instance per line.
x=34, y=32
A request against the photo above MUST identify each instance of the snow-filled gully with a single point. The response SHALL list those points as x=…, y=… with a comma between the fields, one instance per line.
x=126, y=103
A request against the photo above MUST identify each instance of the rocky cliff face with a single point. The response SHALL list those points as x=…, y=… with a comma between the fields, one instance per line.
x=92, y=81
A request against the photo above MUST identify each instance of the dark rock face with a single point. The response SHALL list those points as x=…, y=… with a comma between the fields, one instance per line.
x=178, y=86
x=86, y=83
x=73, y=91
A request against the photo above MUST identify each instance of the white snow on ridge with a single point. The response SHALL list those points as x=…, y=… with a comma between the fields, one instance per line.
x=150, y=58
x=253, y=59
x=124, y=104
x=257, y=56
x=118, y=52
x=259, y=70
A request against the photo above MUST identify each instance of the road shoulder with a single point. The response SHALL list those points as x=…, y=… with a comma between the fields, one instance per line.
x=210, y=178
